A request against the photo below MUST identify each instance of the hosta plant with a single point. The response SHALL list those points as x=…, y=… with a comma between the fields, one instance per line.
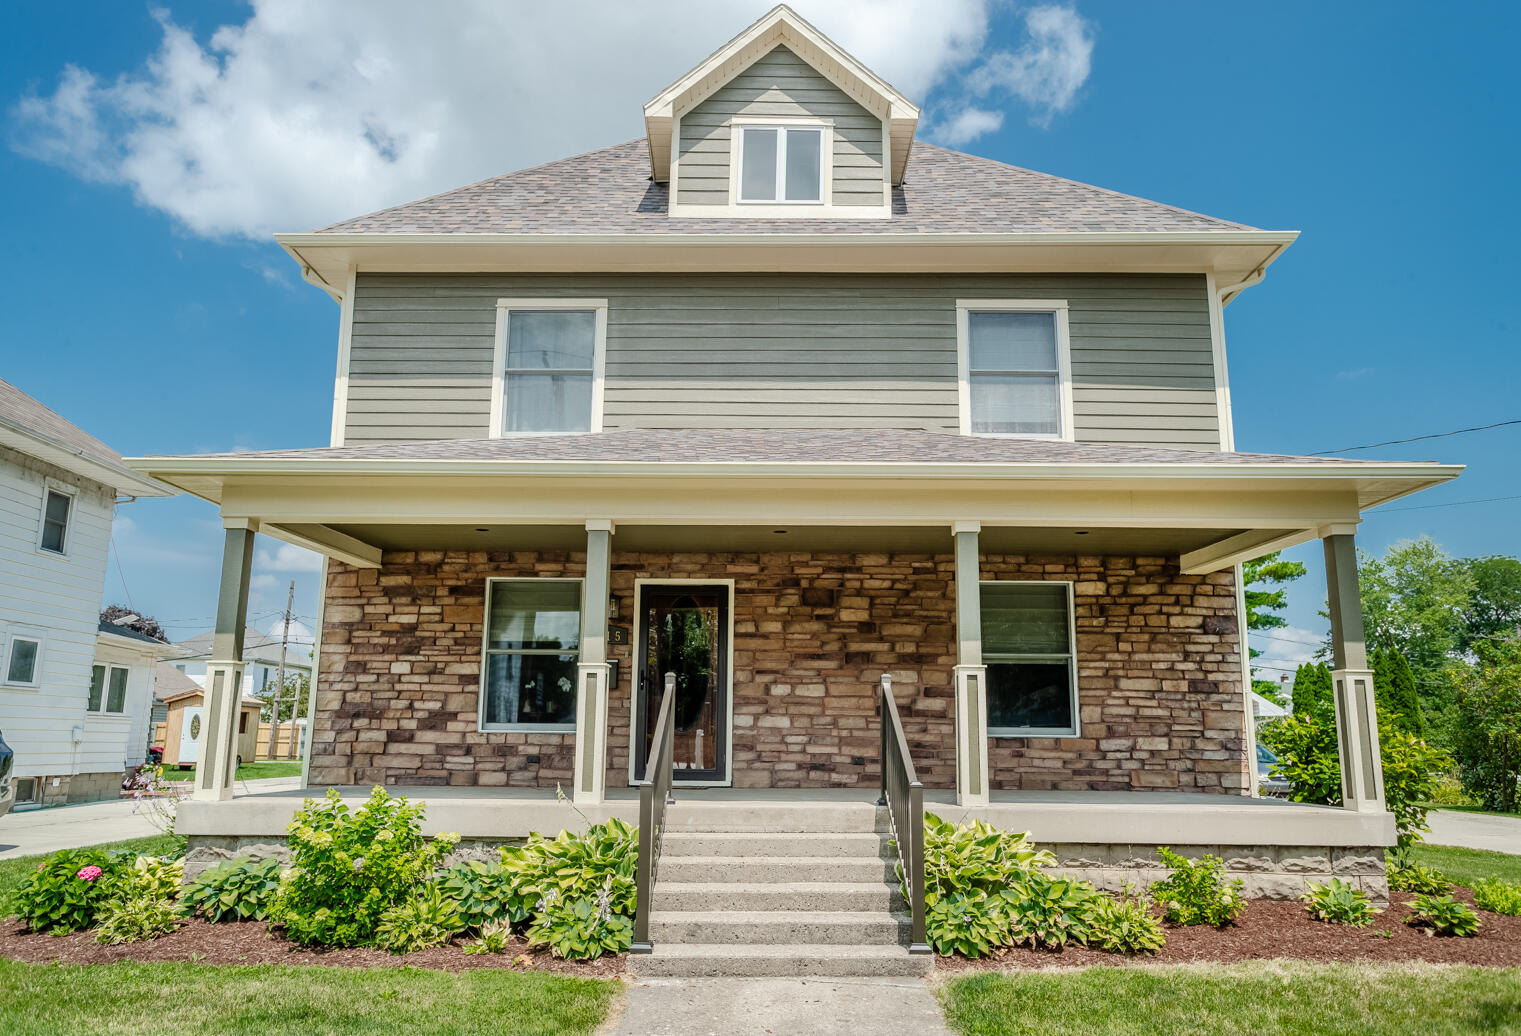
x=973, y=924
x=577, y=890
x=1500, y=897
x=1124, y=923
x=1339, y=902
x=581, y=928
x=1197, y=891
x=140, y=903
x=67, y=889
x=1442, y=915
x=495, y=937
x=975, y=857
x=428, y=918
x=1044, y=911
x=238, y=890
x=487, y=893
x=1412, y=877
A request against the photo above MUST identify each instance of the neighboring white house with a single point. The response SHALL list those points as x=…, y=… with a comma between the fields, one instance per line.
x=261, y=656
x=59, y=488
x=124, y=691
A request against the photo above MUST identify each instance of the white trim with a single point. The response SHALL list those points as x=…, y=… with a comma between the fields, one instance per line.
x=63, y=489
x=480, y=708
x=345, y=346
x=504, y=306
x=994, y=658
x=1058, y=309
x=37, y=637
x=780, y=125
x=1226, y=419
x=1252, y=783
x=633, y=687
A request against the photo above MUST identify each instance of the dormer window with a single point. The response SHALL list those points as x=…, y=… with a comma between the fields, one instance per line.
x=781, y=164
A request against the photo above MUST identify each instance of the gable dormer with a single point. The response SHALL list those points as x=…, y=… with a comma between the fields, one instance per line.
x=780, y=123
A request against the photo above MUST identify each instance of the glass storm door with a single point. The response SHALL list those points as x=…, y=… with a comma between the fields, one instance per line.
x=682, y=630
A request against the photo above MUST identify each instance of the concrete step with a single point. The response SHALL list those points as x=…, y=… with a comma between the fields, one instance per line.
x=772, y=843
x=776, y=895
x=705, y=960
x=824, y=815
x=752, y=869
x=790, y=927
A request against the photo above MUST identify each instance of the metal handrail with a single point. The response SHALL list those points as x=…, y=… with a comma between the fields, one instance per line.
x=654, y=797
x=903, y=795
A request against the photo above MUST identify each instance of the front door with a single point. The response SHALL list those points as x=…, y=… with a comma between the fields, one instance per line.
x=684, y=629
x=190, y=736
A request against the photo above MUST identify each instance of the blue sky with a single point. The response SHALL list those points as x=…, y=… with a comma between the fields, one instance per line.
x=146, y=303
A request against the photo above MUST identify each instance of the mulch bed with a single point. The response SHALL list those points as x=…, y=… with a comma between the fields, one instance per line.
x=1270, y=929
x=251, y=942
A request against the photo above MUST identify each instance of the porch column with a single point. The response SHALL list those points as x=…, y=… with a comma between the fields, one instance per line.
x=971, y=674
x=224, y=673
x=593, y=671
x=1362, y=770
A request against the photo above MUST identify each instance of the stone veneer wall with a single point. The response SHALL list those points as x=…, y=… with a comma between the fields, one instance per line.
x=1158, y=671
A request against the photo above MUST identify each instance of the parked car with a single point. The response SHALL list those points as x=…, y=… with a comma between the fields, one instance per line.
x=7, y=786
x=1268, y=782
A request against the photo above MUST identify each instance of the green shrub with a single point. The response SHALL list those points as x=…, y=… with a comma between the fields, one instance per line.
x=973, y=924
x=429, y=918
x=348, y=869
x=1413, y=877
x=140, y=901
x=495, y=937
x=238, y=890
x=67, y=889
x=1043, y=911
x=581, y=889
x=1197, y=891
x=1500, y=897
x=582, y=928
x=486, y=893
x=975, y=857
x=1487, y=734
x=1125, y=924
x=1339, y=902
x=1442, y=915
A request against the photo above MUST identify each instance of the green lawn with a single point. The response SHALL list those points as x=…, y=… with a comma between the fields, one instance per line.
x=274, y=768
x=1259, y=999
x=12, y=871
x=1466, y=866
x=168, y=999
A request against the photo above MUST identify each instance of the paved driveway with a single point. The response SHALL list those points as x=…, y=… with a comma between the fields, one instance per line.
x=1471, y=831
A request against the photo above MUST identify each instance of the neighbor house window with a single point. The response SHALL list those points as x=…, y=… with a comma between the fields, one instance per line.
x=549, y=355
x=533, y=641
x=781, y=164
x=108, y=690
x=55, y=521
x=23, y=660
x=1014, y=368
x=1027, y=648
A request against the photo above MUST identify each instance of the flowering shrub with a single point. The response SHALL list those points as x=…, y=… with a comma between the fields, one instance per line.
x=67, y=889
x=348, y=869
x=1197, y=891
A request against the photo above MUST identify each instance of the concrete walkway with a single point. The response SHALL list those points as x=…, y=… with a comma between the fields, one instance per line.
x=32, y=832
x=1475, y=831
x=742, y=1006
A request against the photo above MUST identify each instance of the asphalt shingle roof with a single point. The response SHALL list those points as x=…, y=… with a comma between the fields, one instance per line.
x=609, y=191
x=775, y=446
x=25, y=413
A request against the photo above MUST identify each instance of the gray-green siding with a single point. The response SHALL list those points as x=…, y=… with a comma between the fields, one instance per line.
x=780, y=83
x=771, y=350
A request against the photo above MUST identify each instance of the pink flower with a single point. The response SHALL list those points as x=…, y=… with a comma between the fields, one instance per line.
x=89, y=873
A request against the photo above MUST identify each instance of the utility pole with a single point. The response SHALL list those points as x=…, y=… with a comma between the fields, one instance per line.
x=274, y=718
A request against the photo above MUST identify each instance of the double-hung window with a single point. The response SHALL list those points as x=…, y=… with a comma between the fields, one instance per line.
x=108, y=690
x=781, y=164
x=533, y=642
x=1027, y=648
x=23, y=660
x=55, y=521
x=549, y=363
x=1014, y=368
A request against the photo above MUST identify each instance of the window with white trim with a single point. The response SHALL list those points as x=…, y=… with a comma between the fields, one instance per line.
x=550, y=356
x=23, y=660
x=108, y=690
x=781, y=164
x=1027, y=648
x=56, y=508
x=1014, y=369
x=532, y=645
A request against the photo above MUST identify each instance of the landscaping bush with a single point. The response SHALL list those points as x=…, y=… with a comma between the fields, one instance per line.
x=238, y=890
x=429, y=918
x=1339, y=902
x=972, y=924
x=1500, y=897
x=67, y=890
x=140, y=901
x=1442, y=915
x=581, y=889
x=1125, y=924
x=1197, y=891
x=348, y=869
x=1044, y=912
x=495, y=937
x=1413, y=877
x=486, y=893
x=975, y=857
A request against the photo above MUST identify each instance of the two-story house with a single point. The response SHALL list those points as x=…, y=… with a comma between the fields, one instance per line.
x=780, y=400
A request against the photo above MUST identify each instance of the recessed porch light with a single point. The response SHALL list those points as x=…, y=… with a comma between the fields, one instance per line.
x=779, y=532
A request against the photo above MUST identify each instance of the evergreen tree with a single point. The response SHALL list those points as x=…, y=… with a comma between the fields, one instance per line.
x=1312, y=692
x=1399, y=702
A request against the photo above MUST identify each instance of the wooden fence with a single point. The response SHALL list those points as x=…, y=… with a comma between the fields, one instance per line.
x=288, y=745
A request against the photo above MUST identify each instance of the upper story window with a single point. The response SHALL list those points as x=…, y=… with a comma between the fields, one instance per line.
x=549, y=366
x=108, y=690
x=56, y=507
x=1015, y=378
x=23, y=660
x=1027, y=648
x=781, y=164
x=533, y=643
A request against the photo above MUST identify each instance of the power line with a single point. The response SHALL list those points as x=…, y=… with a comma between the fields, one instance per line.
x=116, y=555
x=1418, y=438
x=1451, y=503
x=1286, y=640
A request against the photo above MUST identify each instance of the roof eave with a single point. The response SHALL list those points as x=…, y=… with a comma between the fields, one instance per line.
x=116, y=476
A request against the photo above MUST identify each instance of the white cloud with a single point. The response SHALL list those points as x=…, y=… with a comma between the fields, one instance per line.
x=287, y=557
x=306, y=114
x=967, y=125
